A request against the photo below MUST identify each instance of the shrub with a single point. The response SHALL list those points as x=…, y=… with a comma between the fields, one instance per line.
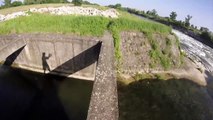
x=17, y=3
x=77, y=2
x=207, y=36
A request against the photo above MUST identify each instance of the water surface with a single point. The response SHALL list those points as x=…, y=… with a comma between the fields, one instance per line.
x=26, y=95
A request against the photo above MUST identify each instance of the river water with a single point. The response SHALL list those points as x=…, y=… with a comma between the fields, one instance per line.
x=26, y=95
x=196, y=50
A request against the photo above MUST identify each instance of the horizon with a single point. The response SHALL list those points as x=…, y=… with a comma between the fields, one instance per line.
x=198, y=9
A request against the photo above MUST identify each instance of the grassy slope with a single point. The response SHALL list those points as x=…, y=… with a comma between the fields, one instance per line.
x=27, y=7
x=45, y=23
x=81, y=25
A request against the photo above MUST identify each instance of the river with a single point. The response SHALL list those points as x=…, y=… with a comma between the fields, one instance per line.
x=196, y=50
x=26, y=95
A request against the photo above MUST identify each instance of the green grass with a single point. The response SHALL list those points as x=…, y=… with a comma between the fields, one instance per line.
x=157, y=55
x=83, y=25
x=135, y=24
x=45, y=23
x=27, y=7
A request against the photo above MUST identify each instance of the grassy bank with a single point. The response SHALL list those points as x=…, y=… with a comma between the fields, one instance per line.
x=82, y=25
x=45, y=23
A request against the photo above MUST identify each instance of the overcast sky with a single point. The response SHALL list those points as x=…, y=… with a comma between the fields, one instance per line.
x=200, y=10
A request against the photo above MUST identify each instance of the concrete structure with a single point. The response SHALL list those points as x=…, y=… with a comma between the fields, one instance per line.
x=104, y=100
x=72, y=56
x=65, y=54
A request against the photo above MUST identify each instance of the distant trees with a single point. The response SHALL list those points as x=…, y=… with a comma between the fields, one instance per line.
x=16, y=3
x=206, y=34
x=204, y=29
x=187, y=20
x=7, y=3
x=77, y=2
x=118, y=6
x=152, y=13
x=27, y=2
x=173, y=16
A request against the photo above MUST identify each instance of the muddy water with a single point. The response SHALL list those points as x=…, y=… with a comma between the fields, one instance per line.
x=31, y=96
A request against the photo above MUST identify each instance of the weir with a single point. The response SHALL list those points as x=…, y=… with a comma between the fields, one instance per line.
x=79, y=57
x=69, y=56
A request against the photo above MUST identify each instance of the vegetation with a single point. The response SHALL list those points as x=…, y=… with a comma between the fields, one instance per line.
x=16, y=3
x=7, y=2
x=27, y=2
x=45, y=23
x=77, y=2
x=187, y=20
x=82, y=25
x=184, y=26
x=206, y=34
x=173, y=16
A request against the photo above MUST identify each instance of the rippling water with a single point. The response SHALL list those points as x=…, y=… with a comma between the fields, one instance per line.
x=196, y=50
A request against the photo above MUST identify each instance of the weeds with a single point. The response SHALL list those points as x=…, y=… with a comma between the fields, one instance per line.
x=87, y=25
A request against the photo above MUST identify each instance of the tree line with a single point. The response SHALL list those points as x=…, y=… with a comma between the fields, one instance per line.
x=171, y=20
x=9, y=3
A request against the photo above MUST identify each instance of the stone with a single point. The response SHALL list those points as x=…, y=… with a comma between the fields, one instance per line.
x=64, y=10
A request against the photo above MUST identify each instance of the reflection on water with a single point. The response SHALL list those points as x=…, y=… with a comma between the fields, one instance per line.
x=31, y=96
x=174, y=99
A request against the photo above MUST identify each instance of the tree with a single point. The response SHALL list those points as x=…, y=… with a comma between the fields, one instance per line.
x=118, y=6
x=154, y=12
x=173, y=16
x=148, y=12
x=187, y=20
x=77, y=2
x=7, y=3
x=204, y=29
x=16, y=3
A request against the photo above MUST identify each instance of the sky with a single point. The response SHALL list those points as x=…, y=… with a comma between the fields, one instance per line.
x=200, y=10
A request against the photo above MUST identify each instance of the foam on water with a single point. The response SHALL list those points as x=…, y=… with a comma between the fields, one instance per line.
x=196, y=50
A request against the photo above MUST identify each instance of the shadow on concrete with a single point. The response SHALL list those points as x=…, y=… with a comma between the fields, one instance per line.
x=11, y=58
x=44, y=62
x=75, y=64
x=35, y=97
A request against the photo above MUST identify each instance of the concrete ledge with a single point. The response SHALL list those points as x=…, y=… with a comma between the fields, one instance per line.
x=67, y=55
x=104, y=99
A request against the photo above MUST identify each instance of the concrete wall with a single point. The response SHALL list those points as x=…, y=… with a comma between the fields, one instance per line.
x=72, y=56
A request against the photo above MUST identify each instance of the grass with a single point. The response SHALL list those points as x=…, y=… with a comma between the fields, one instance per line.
x=157, y=55
x=135, y=24
x=45, y=23
x=81, y=25
x=27, y=7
